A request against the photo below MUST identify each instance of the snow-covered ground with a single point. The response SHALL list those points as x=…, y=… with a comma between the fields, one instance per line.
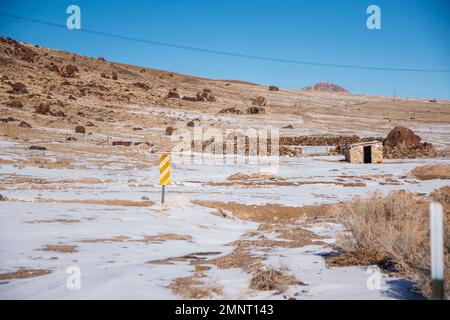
x=110, y=239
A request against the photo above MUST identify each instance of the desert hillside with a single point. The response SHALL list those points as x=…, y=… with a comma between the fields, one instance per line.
x=116, y=100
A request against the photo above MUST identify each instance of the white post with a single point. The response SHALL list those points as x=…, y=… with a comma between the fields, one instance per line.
x=437, y=250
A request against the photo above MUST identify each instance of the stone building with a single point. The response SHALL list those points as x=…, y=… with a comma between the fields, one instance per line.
x=364, y=152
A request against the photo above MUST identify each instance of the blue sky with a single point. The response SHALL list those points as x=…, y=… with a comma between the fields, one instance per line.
x=414, y=34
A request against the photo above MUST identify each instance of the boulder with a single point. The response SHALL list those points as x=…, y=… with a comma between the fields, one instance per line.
x=259, y=101
x=68, y=71
x=255, y=110
x=37, y=148
x=43, y=108
x=169, y=131
x=173, y=95
x=80, y=129
x=19, y=87
x=59, y=113
x=24, y=124
x=401, y=137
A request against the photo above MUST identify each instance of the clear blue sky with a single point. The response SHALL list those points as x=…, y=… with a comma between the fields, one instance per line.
x=414, y=34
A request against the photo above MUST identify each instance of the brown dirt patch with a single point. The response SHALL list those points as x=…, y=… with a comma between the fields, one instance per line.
x=432, y=171
x=268, y=212
x=24, y=274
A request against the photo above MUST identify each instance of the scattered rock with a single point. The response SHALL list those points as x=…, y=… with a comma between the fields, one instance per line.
x=81, y=114
x=80, y=129
x=24, y=53
x=255, y=110
x=191, y=123
x=24, y=124
x=273, y=88
x=18, y=87
x=43, y=108
x=192, y=99
x=3, y=198
x=137, y=129
x=114, y=75
x=205, y=96
x=39, y=148
x=17, y=104
x=141, y=85
x=68, y=71
x=101, y=59
x=231, y=110
x=52, y=67
x=103, y=75
x=259, y=101
x=71, y=139
x=59, y=113
x=173, y=94
x=288, y=127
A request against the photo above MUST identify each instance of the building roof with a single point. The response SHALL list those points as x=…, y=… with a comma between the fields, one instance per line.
x=366, y=143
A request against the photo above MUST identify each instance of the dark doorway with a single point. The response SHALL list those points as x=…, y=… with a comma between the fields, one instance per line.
x=368, y=154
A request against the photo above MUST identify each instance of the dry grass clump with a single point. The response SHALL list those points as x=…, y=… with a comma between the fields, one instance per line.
x=271, y=279
x=239, y=258
x=61, y=248
x=431, y=171
x=391, y=231
x=24, y=274
x=196, y=288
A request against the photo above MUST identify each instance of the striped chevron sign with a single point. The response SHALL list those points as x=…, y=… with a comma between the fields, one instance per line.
x=164, y=170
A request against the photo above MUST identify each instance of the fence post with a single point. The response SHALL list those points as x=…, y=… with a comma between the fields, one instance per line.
x=437, y=250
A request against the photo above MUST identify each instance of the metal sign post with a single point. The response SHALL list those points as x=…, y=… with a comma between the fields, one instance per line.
x=164, y=172
x=437, y=250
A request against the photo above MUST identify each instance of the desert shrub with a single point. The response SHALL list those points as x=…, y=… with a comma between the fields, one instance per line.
x=392, y=231
x=273, y=279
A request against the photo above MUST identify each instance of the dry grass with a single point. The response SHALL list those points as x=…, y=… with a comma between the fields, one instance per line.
x=239, y=258
x=195, y=288
x=272, y=279
x=61, y=248
x=432, y=171
x=63, y=221
x=392, y=232
x=24, y=273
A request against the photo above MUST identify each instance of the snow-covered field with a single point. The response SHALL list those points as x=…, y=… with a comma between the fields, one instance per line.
x=113, y=218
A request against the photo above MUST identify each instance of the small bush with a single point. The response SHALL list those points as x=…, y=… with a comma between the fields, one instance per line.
x=272, y=279
x=392, y=231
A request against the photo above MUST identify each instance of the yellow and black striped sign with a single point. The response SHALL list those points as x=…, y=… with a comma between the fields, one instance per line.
x=164, y=170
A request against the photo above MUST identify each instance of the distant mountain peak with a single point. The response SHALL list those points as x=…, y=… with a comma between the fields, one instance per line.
x=327, y=87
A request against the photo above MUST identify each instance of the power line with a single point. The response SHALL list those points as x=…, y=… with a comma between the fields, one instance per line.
x=226, y=53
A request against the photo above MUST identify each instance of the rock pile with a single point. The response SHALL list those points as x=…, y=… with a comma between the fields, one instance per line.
x=403, y=143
